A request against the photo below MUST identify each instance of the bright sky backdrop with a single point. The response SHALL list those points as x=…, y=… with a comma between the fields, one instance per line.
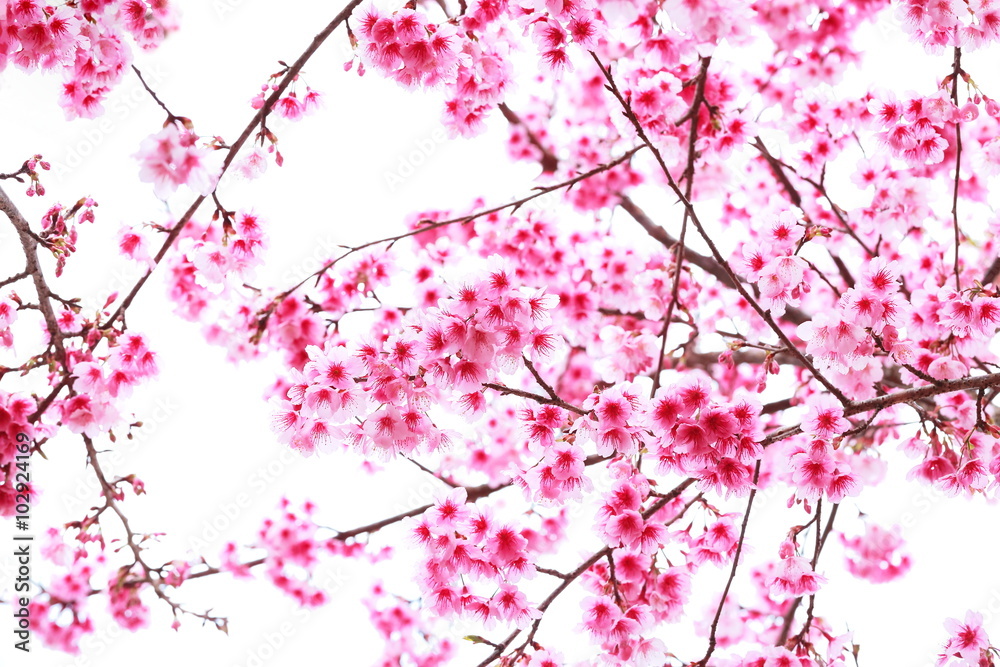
x=212, y=469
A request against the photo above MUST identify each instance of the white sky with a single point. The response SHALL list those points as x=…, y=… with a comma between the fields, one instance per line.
x=206, y=441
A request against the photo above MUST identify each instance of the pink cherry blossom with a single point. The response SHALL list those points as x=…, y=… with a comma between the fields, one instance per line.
x=172, y=158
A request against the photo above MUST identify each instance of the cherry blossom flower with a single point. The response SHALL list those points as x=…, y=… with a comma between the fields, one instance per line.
x=171, y=158
x=968, y=641
x=875, y=556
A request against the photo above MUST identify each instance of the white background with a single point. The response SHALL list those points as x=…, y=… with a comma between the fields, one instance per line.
x=205, y=443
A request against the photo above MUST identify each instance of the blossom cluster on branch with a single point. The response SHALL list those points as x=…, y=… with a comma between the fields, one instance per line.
x=679, y=315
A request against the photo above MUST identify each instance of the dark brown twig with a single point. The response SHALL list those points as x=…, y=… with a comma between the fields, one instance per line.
x=500, y=647
x=548, y=161
x=732, y=573
x=627, y=109
x=171, y=117
x=535, y=397
x=956, y=73
x=257, y=119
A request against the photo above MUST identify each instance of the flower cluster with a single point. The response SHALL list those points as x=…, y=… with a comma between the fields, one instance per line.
x=876, y=556
x=407, y=637
x=968, y=645
x=844, y=342
x=171, y=158
x=289, y=105
x=216, y=261
x=416, y=52
x=84, y=40
x=487, y=325
x=293, y=552
x=560, y=25
x=794, y=576
x=817, y=469
x=59, y=229
x=464, y=544
x=100, y=384
x=620, y=521
x=914, y=130
x=774, y=265
x=59, y=616
x=716, y=443
x=946, y=24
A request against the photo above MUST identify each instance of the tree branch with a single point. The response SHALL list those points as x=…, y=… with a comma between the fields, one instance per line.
x=29, y=244
x=686, y=202
x=574, y=575
x=956, y=73
x=895, y=398
x=732, y=573
x=258, y=119
x=548, y=161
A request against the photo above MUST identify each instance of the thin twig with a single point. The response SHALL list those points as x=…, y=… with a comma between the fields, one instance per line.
x=29, y=245
x=573, y=576
x=612, y=86
x=430, y=226
x=688, y=177
x=171, y=117
x=732, y=573
x=956, y=73
x=258, y=118
x=503, y=389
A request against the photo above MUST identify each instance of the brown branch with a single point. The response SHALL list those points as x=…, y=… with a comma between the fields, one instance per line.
x=29, y=244
x=789, y=616
x=956, y=73
x=574, y=575
x=150, y=575
x=786, y=622
x=706, y=264
x=540, y=380
x=820, y=543
x=430, y=226
x=548, y=161
x=779, y=173
x=258, y=119
x=612, y=86
x=778, y=169
x=503, y=389
x=473, y=493
x=47, y=401
x=14, y=278
x=732, y=573
x=905, y=396
x=992, y=272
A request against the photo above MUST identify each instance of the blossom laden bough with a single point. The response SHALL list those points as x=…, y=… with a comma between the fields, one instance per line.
x=599, y=412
